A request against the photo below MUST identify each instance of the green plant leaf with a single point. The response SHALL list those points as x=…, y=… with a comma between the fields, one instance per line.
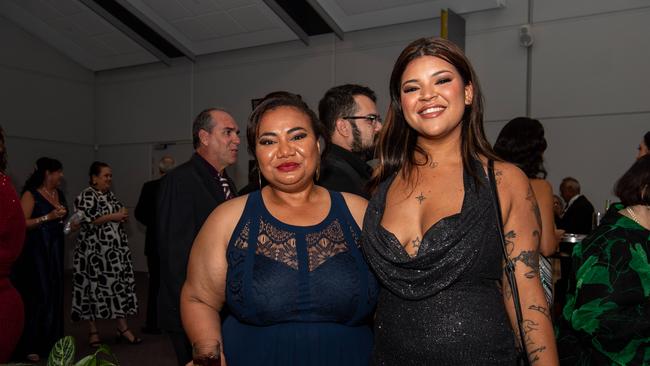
x=89, y=360
x=102, y=362
x=62, y=353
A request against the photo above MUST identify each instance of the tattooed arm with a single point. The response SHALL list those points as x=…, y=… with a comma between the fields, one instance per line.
x=522, y=226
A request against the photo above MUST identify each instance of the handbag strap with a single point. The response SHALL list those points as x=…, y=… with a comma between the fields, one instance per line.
x=510, y=266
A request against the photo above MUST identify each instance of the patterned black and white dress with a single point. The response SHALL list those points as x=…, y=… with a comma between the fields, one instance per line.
x=103, y=285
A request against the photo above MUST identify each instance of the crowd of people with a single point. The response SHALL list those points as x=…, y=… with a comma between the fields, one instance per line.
x=357, y=241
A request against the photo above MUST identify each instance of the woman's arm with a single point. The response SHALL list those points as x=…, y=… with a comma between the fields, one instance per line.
x=204, y=291
x=544, y=195
x=27, y=202
x=522, y=225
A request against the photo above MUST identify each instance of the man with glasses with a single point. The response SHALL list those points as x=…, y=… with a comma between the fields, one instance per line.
x=352, y=123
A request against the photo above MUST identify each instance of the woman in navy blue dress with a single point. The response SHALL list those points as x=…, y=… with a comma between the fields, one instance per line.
x=38, y=272
x=285, y=260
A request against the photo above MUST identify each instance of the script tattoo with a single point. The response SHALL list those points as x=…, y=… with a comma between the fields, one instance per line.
x=420, y=198
x=532, y=349
x=542, y=310
x=510, y=241
x=531, y=259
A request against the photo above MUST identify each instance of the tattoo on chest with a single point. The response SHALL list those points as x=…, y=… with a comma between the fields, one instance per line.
x=416, y=242
x=420, y=198
x=498, y=175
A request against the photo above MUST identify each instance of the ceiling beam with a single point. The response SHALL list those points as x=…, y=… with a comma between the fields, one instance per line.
x=286, y=18
x=326, y=18
x=99, y=10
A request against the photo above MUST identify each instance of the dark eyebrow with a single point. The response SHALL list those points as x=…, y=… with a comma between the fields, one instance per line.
x=296, y=129
x=433, y=75
x=273, y=134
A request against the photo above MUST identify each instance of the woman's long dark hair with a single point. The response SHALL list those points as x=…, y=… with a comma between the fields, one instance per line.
x=522, y=142
x=37, y=178
x=397, y=145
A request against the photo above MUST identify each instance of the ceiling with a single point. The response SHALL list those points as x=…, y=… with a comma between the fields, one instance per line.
x=108, y=34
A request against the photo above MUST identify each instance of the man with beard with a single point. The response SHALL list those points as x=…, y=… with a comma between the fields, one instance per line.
x=349, y=115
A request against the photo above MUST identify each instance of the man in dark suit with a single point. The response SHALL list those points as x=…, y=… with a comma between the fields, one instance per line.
x=578, y=214
x=352, y=124
x=188, y=194
x=145, y=213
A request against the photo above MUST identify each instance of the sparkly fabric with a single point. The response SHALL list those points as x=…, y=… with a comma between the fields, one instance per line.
x=442, y=307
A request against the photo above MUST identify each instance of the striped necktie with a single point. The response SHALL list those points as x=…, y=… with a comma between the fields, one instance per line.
x=226, y=187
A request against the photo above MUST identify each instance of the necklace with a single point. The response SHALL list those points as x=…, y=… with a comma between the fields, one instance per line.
x=633, y=215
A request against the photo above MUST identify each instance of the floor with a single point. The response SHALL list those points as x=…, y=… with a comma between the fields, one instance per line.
x=154, y=349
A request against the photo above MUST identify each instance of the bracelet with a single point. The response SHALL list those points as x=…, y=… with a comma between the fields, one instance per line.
x=42, y=219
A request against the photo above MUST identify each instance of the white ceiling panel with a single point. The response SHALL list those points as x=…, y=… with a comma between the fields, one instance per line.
x=41, y=9
x=120, y=43
x=66, y=7
x=197, y=27
x=90, y=24
x=199, y=7
x=353, y=15
x=220, y=24
x=252, y=18
x=193, y=29
x=170, y=10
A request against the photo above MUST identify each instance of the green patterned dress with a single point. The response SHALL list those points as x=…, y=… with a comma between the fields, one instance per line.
x=606, y=319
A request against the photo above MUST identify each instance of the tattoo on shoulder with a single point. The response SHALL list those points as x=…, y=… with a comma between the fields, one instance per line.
x=530, y=258
x=498, y=175
x=530, y=196
x=420, y=198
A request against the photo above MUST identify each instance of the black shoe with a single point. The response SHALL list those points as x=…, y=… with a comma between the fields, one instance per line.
x=150, y=330
x=121, y=337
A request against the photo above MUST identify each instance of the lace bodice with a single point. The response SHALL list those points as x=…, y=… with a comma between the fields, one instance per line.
x=279, y=272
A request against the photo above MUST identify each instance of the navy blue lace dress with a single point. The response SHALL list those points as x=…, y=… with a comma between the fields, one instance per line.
x=297, y=295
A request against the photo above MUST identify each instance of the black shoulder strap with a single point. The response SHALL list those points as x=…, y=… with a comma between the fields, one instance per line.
x=509, y=265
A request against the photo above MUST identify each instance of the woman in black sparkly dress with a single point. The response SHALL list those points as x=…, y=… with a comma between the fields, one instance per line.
x=430, y=232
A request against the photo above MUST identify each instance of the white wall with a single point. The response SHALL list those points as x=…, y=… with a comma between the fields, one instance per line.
x=47, y=104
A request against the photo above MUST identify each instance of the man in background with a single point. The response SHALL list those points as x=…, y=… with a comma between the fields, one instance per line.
x=577, y=217
x=352, y=123
x=188, y=194
x=145, y=213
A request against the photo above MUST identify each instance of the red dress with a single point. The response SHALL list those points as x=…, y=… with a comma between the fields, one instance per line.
x=12, y=236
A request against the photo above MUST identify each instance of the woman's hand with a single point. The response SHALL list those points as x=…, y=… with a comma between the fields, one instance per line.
x=121, y=216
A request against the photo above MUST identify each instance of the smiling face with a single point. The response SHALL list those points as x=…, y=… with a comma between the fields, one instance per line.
x=433, y=97
x=103, y=180
x=287, y=149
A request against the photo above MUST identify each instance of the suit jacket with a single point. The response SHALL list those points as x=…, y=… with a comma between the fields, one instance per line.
x=578, y=218
x=145, y=213
x=343, y=171
x=187, y=195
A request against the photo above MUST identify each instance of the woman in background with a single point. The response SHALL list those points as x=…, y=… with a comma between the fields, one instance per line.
x=606, y=319
x=12, y=236
x=103, y=285
x=522, y=142
x=431, y=229
x=38, y=273
x=284, y=260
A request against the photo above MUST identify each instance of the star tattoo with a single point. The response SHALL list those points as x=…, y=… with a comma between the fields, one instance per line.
x=420, y=198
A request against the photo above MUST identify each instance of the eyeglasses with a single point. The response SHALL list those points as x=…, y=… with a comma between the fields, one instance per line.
x=372, y=119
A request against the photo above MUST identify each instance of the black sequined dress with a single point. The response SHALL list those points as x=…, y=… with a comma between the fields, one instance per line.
x=443, y=306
